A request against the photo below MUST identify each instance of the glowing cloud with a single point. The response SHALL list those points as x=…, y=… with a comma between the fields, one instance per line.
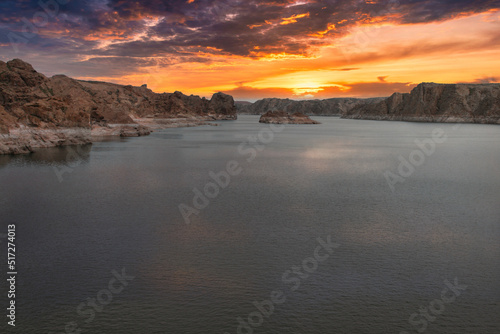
x=261, y=48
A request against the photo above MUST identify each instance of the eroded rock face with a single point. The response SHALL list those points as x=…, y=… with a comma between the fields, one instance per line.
x=222, y=105
x=31, y=101
x=282, y=117
x=430, y=102
x=327, y=107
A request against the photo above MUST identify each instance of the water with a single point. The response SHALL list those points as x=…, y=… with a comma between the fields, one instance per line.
x=115, y=205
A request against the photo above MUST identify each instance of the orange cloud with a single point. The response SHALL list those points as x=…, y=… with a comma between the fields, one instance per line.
x=368, y=60
x=336, y=90
x=321, y=34
x=293, y=18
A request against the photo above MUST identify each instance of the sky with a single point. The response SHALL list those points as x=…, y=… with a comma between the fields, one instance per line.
x=252, y=49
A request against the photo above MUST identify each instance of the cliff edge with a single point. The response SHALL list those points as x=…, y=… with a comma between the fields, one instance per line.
x=37, y=111
x=431, y=102
x=327, y=107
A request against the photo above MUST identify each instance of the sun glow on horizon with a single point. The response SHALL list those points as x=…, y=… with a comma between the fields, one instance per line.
x=373, y=58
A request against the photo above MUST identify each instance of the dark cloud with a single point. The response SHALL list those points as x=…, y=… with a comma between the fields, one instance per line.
x=246, y=28
x=348, y=69
x=486, y=80
x=420, y=47
x=114, y=66
x=185, y=30
x=420, y=11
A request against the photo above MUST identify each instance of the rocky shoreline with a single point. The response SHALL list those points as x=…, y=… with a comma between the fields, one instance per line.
x=429, y=119
x=326, y=107
x=40, y=112
x=436, y=103
x=25, y=140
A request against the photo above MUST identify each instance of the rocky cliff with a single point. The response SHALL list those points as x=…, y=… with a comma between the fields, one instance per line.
x=431, y=102
x=328, y=107
x=36, y=111
x=282, y=117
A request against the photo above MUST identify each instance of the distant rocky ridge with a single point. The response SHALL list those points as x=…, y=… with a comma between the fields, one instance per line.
x=328, y=107
x=36, y=111
x=282, y=117
x=431, y=102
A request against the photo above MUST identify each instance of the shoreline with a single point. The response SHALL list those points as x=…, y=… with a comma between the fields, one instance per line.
x=26, y=140
x=426, y=119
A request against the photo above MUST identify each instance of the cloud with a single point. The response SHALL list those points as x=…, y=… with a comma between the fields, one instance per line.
x=419, y=47
x=338, y=89
x=203, y=38
x=486, y=80
x=366, y=89
x=254, y=28
x=253, y=94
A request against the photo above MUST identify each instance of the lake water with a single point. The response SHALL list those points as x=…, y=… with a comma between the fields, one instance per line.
x=82, y=213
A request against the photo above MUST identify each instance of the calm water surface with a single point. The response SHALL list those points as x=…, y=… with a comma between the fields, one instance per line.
x=115, y=205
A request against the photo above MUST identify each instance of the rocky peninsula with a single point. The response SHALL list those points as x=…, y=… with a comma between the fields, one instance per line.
x=282, y=117
x=432, y=102
x=37, y=111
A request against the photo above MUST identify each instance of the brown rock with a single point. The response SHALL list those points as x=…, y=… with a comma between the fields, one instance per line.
x=430, y=102
x=223, y=105
x=29, y=100
x=134, y=131
x=281, y=117
x=327, y=107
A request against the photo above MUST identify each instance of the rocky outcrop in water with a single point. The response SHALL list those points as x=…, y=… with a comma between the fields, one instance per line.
x=36, y=111
x=431, y=102
x=328, y=107
x=282, y=117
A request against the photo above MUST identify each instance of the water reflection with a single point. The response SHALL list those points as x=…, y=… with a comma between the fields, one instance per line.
x=121, y=210
x=68, y=156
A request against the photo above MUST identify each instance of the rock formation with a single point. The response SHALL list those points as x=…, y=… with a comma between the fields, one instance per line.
x=328, y=107
x=282, y=117
x=36, y=111
x=431, y=102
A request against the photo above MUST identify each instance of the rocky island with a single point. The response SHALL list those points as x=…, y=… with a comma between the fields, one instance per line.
x=37, y=111
x=431, y=102
x=282, y=117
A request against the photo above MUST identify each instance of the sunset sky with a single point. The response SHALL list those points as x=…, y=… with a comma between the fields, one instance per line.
x=251, y=49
